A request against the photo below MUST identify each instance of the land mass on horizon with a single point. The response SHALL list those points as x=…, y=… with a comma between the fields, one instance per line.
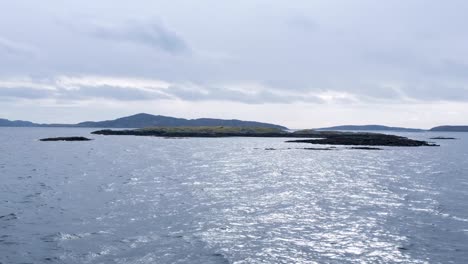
x=450, y=129
x=143, y=120
x=146, y=120
x=369, y=128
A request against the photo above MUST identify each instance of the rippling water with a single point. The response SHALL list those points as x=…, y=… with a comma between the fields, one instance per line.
x=125, y=199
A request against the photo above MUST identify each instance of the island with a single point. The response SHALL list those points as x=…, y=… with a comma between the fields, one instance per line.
x=307, y=135
x=449, y=129
x=357, y=139
x=199, y=131
x=65, y=139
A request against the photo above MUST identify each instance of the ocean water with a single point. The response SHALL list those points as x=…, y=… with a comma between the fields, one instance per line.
x=126, y=199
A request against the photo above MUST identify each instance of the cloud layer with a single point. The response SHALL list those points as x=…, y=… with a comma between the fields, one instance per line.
x=72, y=89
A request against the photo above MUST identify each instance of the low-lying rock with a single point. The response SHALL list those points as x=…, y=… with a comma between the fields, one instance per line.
x=364, y=139
x=365, y=148
x=318, y=148
x=66, y=139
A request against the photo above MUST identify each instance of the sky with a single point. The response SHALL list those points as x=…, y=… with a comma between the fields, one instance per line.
x=302, y=63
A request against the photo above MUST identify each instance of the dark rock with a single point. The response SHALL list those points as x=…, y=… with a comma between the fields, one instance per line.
x=442, y=138
x=66, y=139
x=318, y=148
x=365, y=148
x=331, y=148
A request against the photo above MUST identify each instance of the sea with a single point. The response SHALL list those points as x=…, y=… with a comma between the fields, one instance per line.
x=130, y=199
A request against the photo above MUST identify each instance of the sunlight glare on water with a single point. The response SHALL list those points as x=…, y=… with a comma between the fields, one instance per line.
x=125, y=199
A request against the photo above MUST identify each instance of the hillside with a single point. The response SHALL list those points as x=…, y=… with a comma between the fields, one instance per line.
x=16, y=123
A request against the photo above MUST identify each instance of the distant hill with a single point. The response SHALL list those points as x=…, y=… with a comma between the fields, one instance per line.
x=450, y=129
x=147, y=120
x=371, y=128
x=16, y=123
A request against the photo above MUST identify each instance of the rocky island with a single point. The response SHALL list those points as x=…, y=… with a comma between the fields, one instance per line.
x=199, y=131
x=357, y=139
x=309, y=136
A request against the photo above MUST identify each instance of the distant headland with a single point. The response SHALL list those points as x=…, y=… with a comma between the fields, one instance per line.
x=146, y=120
x=369, y=128
x=143, y=120
x=450, y=129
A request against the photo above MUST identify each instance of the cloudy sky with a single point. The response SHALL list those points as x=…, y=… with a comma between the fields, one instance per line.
x=298, y=63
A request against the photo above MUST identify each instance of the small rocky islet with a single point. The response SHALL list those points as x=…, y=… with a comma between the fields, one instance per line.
x=65, y=139
x=443, y=138
x=306, y=136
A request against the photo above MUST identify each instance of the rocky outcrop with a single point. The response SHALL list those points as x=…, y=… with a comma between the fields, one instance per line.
x=66, y=139
x=364, y=139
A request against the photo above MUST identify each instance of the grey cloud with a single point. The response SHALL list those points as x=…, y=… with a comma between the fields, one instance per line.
x=303, y=22
x=110, y=92
x=365, y=93
x=399, y=62
x=14, y=48
x=447, y=68
x=218, y=94
x=25, y=93
x=152, y=34
x=437, y=92
x=82, y=93
x=375, y=91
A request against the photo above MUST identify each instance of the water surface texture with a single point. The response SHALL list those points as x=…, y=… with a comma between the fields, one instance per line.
x=127, y=199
